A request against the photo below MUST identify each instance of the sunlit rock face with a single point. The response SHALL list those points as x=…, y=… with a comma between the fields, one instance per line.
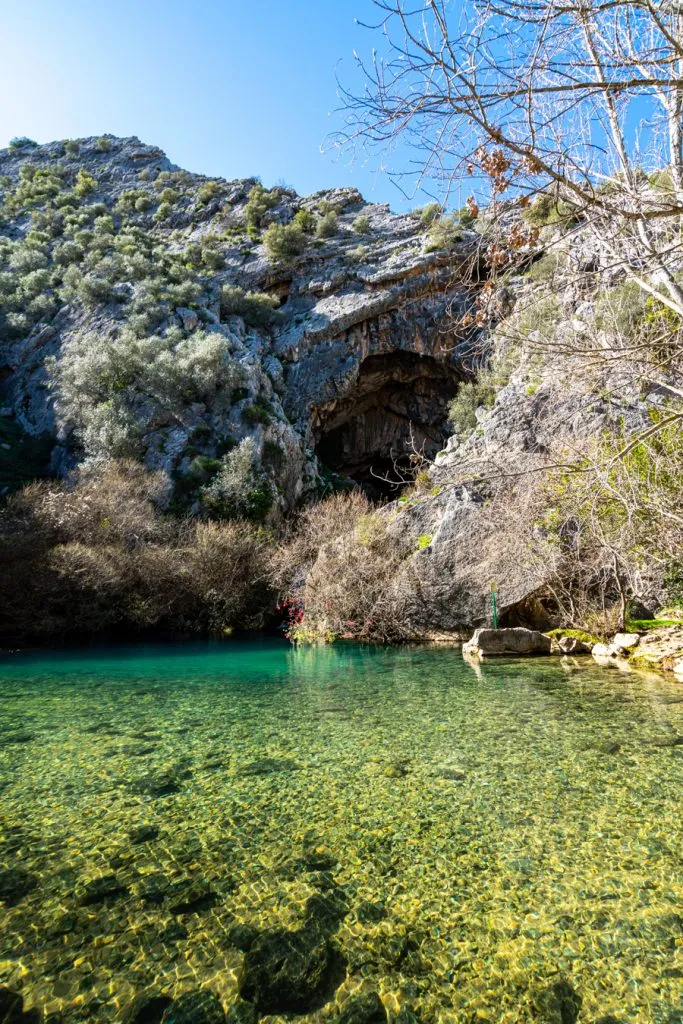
x=354, y=370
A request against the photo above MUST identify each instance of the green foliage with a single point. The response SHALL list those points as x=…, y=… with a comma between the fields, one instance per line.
x=284, y=241
x=258, y=309
x=673, y=582
x=85, y=183
x=99, y=382
x=305, y=220
x=429, y=214
x=546, y=268
x=328, y=225
x=361, y=225
x=260, y=200
x=170, y=196
x=239, y=490
x=472, y=394
x=259, y=412
x=72, y=148
x=546, y=210
x=423, y=541
x=208, y=191
x=103, y=144
x=444, y=233
x=20, y=141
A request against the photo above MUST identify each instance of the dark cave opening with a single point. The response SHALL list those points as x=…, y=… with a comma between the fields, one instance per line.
x=398, y=405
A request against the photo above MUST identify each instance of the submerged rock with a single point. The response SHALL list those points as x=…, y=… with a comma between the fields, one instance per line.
x=199, y=1007
x=365, y=1009
x=242, y=1012
x=15, y=883
x=155, y=785
x=494, y=642
x=559, y=1003
x=98, y=890
x=12, y=1009
x=288, y=971
x=147, y=1008
x=143, y=834
x=269, y=765
x=191, y=895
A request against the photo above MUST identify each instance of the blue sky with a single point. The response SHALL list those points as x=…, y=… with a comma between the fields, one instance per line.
x=225, y=87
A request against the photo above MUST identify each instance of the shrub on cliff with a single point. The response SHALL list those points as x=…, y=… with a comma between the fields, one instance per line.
x=258, y=309
x=108, y=388
x=284, y=241
x=239, y=489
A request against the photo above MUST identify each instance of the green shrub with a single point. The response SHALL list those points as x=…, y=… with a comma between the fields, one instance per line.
x=429, y=214
x=100, y=380
x=444, y=233
x=85, y=183
x=361, y=225
x=103, y=144
x=258, y=309
x=239, y=490
x=284, y=241
x=72, y=148
x=170, y=196
x=143, y=204
x=208, y=191
x=328, y=225
x=20, y=141
x=259, y=412
x=673, y=582
x=305, y=220
x=547, y=209
x=260, y=200
x=163, y=211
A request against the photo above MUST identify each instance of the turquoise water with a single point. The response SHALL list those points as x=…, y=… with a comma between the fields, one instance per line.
x=494, y=844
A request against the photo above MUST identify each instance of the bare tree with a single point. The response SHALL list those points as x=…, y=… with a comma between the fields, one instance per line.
x=578, y=100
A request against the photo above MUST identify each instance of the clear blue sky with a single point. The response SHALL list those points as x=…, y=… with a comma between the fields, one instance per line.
x=225, y=87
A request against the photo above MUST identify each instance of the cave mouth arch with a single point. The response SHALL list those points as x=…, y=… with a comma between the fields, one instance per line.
x=366, y=434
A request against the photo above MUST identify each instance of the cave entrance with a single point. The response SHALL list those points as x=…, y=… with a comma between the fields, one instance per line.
x=366, y=435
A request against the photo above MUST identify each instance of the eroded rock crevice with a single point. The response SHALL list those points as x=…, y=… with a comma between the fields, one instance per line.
x=397, y=405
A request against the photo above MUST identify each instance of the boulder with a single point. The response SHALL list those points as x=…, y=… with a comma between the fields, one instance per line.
x=487, y=643
x=626, y=641
x=287, y=971
x=571, y=645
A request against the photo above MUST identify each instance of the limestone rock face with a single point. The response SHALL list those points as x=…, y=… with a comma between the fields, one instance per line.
x=495, y=642
x=360, y=352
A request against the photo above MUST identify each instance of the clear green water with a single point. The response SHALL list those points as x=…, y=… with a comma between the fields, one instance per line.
x=511, y=826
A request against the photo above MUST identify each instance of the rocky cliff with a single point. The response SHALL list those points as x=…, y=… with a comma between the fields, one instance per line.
x=261, y=349
x=105, y=235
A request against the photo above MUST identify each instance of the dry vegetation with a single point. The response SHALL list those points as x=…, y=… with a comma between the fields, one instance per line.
x=98, y=554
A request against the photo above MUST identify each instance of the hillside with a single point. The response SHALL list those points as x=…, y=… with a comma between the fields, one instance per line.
x=253, y=351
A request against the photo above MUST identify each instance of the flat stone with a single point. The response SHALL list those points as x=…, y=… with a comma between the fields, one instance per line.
x=500, y=642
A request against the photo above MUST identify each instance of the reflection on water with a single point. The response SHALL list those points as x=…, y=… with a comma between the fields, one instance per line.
x=186, y=827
